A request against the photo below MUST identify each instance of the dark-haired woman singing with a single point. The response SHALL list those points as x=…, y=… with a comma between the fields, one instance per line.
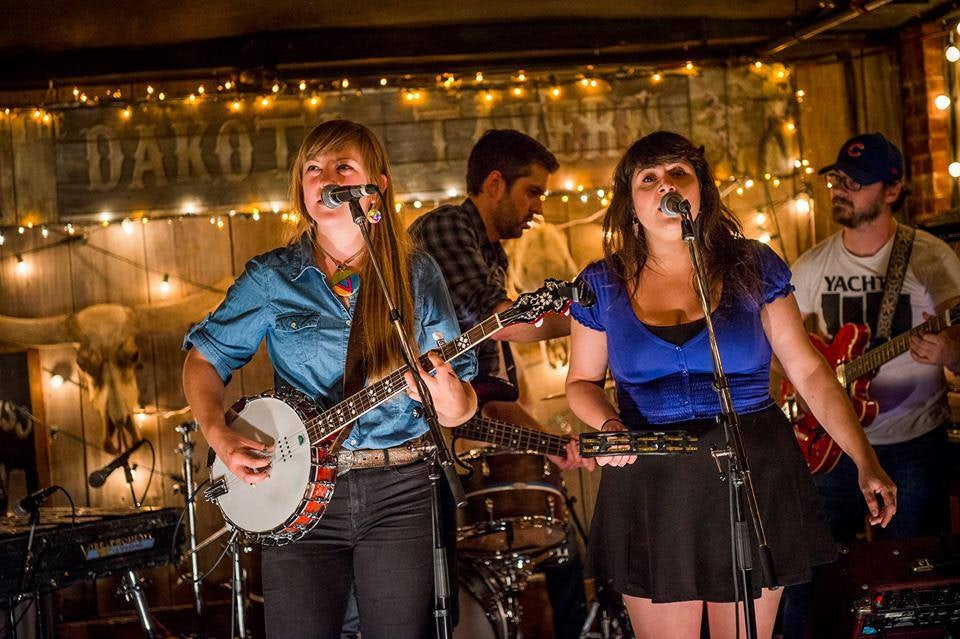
x=661, y=529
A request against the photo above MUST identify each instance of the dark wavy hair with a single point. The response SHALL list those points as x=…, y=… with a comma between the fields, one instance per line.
x=726, y=254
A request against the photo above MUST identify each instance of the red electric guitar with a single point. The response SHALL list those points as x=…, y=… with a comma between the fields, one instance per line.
x=854, y=369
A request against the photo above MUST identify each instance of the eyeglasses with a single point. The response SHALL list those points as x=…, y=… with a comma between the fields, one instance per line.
x=839, y=179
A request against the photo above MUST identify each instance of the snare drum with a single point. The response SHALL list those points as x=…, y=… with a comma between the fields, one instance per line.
x=515, y=504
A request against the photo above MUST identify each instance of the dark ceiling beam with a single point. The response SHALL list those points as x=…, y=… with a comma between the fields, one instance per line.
x=820, y=25
x=401, y=49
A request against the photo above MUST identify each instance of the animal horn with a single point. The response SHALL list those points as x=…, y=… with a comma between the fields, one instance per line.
x=40, y=331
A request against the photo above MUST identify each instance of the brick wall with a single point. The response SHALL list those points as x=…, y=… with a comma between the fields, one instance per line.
x=926, y=130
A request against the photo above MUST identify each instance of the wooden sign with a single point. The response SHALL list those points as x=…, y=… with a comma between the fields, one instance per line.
x=214, y=155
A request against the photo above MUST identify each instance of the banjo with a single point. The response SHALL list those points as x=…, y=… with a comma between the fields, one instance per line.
x=304, y=435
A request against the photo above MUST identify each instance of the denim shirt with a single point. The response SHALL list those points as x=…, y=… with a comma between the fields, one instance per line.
x=284, y=297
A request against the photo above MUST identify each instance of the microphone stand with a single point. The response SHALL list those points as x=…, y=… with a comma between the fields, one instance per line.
x=186, y=449
x=128, y=477
x=738, y=469
x=441, y=456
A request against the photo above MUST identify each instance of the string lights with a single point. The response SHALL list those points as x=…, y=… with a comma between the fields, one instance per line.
x=239, y=95
x=411, y=88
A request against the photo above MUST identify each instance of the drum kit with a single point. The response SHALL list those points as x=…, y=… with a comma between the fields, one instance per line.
x=515, y=521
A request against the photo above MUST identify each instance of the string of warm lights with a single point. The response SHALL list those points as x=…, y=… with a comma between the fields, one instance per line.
x=570, y=192
x=800, y=199
x=240, y=93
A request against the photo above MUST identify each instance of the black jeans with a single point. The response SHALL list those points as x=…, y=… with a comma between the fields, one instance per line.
x=376, y=534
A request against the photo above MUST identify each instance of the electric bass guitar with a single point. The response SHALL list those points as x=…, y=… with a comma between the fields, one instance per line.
x=592, y=444
x=305, y=438
x=854, y=369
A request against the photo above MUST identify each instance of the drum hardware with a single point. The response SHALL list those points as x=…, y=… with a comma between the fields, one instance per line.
x=185, y=449
x=606, y=610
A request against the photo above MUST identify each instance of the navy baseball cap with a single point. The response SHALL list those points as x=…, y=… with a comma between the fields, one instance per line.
x=869, y=158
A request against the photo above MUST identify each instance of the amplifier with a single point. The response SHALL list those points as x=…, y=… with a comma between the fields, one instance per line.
x=898, y=588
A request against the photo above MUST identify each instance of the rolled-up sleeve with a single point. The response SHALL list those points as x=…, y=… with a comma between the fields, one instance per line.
x=229, y=337
x=436, y=314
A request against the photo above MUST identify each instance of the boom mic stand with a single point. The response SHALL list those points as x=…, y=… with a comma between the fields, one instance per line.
x=442, y=456
x=738, y=469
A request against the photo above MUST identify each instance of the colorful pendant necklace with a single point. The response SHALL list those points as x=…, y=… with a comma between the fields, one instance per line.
x=345, y=281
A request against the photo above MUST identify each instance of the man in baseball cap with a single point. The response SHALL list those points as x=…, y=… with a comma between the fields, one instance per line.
x=841, y=281
x=863, y=161
x=869, y=158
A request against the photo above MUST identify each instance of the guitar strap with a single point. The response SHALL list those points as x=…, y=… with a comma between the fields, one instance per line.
x=354, y=370
x=893, y=281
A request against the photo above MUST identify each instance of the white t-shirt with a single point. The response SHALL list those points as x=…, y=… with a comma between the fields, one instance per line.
x=840, y=287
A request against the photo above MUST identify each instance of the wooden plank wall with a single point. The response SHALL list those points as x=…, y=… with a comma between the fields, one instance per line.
x=857, y=95
x=70, y=277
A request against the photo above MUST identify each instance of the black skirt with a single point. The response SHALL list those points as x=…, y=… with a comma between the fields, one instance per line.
x=661, y=528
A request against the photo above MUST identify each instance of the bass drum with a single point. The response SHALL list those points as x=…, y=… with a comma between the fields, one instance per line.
x=483, y=611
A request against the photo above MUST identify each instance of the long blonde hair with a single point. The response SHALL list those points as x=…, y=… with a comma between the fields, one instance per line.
x=391, y=245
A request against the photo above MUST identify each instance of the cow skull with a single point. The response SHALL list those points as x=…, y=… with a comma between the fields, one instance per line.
x=107, y=351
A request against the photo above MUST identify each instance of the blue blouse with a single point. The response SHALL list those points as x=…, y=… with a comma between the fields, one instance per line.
x=659, y=382
x=284, y=297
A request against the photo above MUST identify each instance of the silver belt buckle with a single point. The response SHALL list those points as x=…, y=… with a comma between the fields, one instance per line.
x=344, y=460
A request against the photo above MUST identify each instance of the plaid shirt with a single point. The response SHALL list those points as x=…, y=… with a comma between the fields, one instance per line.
x=474, y=267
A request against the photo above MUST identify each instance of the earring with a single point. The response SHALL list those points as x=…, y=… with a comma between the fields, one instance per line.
x=635, y=225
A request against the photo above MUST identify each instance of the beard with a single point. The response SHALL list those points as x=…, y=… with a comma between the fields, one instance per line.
x=846, y=215
x=506, y=219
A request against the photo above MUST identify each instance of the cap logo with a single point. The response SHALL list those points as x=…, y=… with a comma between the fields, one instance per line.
x=855, y=150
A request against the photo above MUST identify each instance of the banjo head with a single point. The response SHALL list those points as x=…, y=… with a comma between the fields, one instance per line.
x=264, y=507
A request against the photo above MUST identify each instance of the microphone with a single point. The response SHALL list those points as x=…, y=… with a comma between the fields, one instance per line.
x=99, y=477
x=31, y=502
x=333, y=196
x=673, y=204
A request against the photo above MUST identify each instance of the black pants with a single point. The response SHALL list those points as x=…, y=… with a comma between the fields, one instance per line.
x=376, y=535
